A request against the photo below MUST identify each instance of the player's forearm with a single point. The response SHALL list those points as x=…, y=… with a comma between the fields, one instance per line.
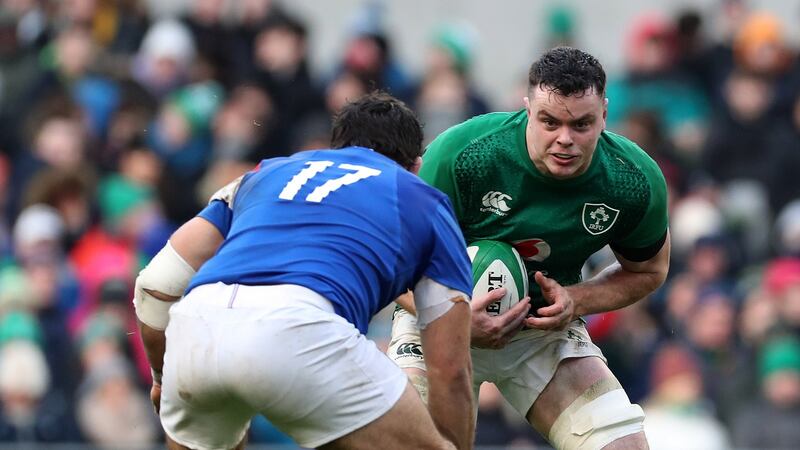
x=614, y=288
x=451, y=406
x=154, y=344
x=445, y=343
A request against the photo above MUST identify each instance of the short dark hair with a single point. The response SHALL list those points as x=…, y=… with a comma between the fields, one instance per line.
x=567, y=71
x=382, y=123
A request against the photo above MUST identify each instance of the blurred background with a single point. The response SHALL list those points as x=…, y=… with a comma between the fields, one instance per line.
x=119, y=118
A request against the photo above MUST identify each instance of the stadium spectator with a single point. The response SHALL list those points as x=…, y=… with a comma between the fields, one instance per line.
x=280, y=54
x=69, y=192
x=111, y=411
x=653, y=82
x=31, y=412
x=678, y=415
x=710, y=334
x=213, y=40
x=782, y=281
x=771, y=421
x=20, y=67
x=784, y=141
x=165, y=58
x=446, y=95
x=740, y=128
x=369, y=53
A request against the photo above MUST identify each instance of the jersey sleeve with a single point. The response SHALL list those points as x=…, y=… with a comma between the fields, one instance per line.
x=219, y=214
x=649, y=235
x=438, y=166
x=449, y=264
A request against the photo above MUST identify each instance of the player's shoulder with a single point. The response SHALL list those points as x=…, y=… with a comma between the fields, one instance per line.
x=622, y=150
x=479, y=127
x=412, y=186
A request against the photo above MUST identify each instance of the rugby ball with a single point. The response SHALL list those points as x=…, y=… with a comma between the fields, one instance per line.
x=497, y=264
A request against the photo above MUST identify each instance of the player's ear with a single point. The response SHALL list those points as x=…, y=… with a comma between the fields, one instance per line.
x=416, y=166
x=527, y=102
x=605, y=108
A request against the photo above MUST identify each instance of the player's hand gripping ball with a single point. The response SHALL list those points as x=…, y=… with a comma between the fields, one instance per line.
x=497, y=264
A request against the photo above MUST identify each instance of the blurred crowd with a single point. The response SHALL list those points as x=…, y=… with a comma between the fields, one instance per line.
x=116, y=125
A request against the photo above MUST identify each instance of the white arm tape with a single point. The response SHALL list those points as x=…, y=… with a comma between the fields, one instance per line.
x=433, y=300
x=167, y=273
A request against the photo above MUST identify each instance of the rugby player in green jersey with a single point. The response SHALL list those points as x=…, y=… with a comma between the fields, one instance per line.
x=551, y=181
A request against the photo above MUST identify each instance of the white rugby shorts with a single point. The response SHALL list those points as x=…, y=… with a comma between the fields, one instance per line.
x=521, y=370
x=235, y=351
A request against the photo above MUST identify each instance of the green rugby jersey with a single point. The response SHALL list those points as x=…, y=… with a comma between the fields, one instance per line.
x=484, y=167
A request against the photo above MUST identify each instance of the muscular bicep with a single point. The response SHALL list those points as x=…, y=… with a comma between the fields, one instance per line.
x=196, y=241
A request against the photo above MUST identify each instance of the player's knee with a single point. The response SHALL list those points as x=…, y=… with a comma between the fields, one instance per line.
x=594, y=422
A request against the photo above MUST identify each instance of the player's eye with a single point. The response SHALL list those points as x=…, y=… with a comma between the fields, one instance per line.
x=549, y=123
x=582, y=125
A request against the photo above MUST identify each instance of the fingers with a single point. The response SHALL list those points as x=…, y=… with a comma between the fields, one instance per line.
x=512, y=319
x=550, y=293
x=515, y=314
x=547, y=284
x=546, y=323
x=555, y=309
x=480, y=303
x=555, y=316
x=507, y=325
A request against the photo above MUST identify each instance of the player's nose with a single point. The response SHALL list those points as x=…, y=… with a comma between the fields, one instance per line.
x=564, y=137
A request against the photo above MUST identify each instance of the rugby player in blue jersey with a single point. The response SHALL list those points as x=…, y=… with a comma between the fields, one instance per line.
x=292, y=261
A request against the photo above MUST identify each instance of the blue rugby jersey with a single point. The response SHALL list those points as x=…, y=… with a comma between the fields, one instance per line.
x=349, y=224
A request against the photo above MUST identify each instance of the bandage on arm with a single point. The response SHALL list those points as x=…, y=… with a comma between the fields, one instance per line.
x=165, y=278
x=168, y=274
x=432, y=300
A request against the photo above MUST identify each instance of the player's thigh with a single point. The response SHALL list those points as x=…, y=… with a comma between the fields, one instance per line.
x=406, y=425
x=524, y=368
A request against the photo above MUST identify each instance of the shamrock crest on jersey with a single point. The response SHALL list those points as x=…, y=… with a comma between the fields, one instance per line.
x=598, y=217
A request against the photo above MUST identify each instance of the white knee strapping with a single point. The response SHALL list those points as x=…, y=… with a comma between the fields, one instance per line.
x=593, y=423
x=167, y=273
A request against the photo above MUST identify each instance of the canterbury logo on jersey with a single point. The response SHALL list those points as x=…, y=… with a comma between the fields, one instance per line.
x=496, y=202
x=409, y=349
